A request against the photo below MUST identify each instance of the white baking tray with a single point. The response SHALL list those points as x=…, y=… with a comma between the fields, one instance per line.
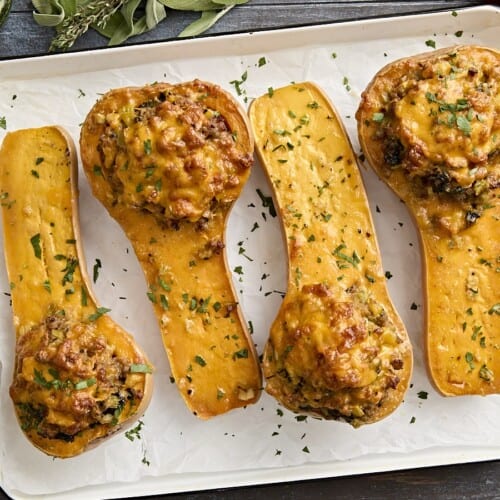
x=256, y=445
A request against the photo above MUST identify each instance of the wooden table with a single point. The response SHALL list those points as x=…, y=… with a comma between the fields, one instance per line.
x=21, y=36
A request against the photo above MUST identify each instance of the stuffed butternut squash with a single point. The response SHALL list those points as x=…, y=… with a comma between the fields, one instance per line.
x=78, y=376
x=337, y=348
x=429, y=126
x=167, y=162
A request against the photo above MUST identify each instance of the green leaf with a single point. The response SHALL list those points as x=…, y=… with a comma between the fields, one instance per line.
x=192, y=5
x=140, y=368
x=206, y=21
x=230, y=2
x=99, y=312
x=113, y=24
x=126, y=27
x=84, y=384
x=5, y=6
x=155, y=13
x=464, y=125
x=35, y=243
x=52, y=12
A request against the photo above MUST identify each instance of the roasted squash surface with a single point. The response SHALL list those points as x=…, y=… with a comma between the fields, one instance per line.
x=429, y=125
x=168, y=161
x=337, y=348
x=78, y=376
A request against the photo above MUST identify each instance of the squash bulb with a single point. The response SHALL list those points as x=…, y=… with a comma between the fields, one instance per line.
x=78, y=376
x=167, y=162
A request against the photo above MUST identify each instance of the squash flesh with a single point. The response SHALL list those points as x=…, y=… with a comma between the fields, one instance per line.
x=170, y=179
x=447, y=172
x=337, y=348
x=61, y=399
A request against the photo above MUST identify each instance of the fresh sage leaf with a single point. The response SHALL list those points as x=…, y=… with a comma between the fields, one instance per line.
x=230, y=2
x=119, y=20
x=49, y=12
x=155, y=13
x=192, y=5
x=207, y=20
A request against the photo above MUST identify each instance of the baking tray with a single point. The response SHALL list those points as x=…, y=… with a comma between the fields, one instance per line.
x=241, y=448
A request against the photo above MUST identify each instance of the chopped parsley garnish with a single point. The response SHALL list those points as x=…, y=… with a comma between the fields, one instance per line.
x=164, y=301
x=148, y=148
x=430, y=43
x=238, y=83
x=135, y=433
x=100, y=311
x=422, y=394
x=198, y=359
x=140, y=368
x=469, y=358
x=241, y=354
x=69, y=270
x=35, y=243
x=84, y=384
x=3, y=122
x=267, y=202
x=351, y=259
x=97, y=266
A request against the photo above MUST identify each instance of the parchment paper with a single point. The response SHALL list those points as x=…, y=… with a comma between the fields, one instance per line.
x=263, y=435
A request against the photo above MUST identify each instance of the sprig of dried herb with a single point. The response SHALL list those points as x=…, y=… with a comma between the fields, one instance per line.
x=119, y=20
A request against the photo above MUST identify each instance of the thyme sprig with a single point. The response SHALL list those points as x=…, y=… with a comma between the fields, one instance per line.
x=98, y=12
x=119, y=20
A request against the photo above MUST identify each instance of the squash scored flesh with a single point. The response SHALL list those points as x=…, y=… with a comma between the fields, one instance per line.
x=167, y=161
x=429, y=126
x=337, y=348
x=78, y=376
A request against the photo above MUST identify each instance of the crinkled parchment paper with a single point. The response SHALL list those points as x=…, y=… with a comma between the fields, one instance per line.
x=341, y=59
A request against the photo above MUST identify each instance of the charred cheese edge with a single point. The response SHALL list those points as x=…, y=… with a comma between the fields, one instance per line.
x=337, y=348
x=167, y=162
x=78, y=376
x=429, y=126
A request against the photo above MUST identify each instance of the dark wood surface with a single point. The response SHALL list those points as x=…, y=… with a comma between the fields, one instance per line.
x=20, y=36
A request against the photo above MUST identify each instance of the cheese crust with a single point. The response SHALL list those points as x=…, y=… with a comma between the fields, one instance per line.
x=435, y=119
x=168, y=161
x=429, y=126
x=78, y=377
x=337, y=348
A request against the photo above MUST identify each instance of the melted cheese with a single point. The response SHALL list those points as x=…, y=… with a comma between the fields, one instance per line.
x=337, y=348
x=449, y=177
x=167, y=161
x=72, y=383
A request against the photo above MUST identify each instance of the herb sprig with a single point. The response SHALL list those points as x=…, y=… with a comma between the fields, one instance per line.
x=119, y=20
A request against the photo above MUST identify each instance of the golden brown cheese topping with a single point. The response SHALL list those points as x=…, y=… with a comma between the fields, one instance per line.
x=164, y=149
x=336, y=357
x=429, y=126
x=78, y=377
x=71, y=378
x=337, y=348
x=168, y=161
x=438, y=119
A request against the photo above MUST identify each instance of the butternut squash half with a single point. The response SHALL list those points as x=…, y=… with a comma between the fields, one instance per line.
x=429, y=126
x=78, y=376
x=167, y=162
x=337, y=348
